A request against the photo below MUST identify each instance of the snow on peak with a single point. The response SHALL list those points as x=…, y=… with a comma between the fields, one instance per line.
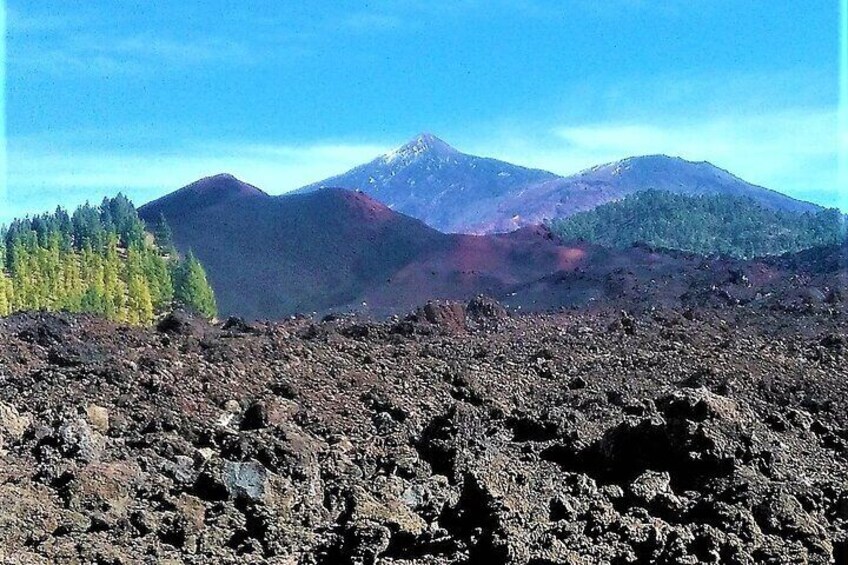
x=421, y=144
x=615, y=168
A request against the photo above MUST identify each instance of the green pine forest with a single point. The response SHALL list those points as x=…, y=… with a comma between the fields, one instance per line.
x=707, y=225
x=100, y=260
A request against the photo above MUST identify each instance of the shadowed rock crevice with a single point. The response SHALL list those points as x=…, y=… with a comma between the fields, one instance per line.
x=436, y=446
x=474, y=520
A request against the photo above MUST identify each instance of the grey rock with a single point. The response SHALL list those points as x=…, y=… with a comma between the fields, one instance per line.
x=246, y=479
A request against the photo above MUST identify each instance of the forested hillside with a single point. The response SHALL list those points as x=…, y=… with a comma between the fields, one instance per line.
x=708, y=225
x=99, y=260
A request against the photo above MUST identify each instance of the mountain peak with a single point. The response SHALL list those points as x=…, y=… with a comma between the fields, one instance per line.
x=649, y=164
x=202, y=193
x=422, y=144
x=222, y=183
x=428, y=139
x=665, y=160
x=222, y=177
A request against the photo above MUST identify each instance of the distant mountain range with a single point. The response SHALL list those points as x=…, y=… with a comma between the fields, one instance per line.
x=384, y=249
x=430, y=180
x=458, y=193
x=340, y=250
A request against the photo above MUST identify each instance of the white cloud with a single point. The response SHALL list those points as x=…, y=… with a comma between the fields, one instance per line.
x=87, y=40
x=800, y=133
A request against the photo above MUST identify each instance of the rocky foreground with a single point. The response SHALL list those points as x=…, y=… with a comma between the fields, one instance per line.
x=458, y=435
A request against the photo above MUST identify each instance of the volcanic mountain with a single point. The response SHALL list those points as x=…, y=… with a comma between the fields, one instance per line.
x=454, y=192
x=339, y=250
x=269, y=257
x=430, y=180
x=210, y=191
x=562, y=197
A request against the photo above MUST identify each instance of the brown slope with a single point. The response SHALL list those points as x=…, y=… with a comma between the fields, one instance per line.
x=644, y=278
x=472, y=265
x=206, y=192
x=270, y=257
x=335, y=249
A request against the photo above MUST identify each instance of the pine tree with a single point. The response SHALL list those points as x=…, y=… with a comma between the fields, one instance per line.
x=127, y=223
x=114, y=287
x=139, y=303
x=192, y=288
x=72, y=282
x=6, y=298
x=163, y=236
x=93, y=297
x=88, y=227
x=158, y=274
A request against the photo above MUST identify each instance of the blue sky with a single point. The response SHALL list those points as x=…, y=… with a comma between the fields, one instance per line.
x=144, y=97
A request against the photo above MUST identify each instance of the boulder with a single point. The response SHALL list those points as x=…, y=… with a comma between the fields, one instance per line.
x=245, y=479
x=98, y=418
x=13, y=425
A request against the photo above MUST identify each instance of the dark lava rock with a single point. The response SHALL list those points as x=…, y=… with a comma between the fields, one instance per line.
x=245, y=479
x=236, y=325
x=577, y=383
x=535, y=440
x=183, y=322
x=74, y=354
x=450, y=316
x=482, y=309
x=255, y=417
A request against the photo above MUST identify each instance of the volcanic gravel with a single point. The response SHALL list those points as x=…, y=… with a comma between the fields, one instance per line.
x=455, y=435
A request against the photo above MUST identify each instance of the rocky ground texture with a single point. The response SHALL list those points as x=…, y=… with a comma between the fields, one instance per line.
x=456, y=435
